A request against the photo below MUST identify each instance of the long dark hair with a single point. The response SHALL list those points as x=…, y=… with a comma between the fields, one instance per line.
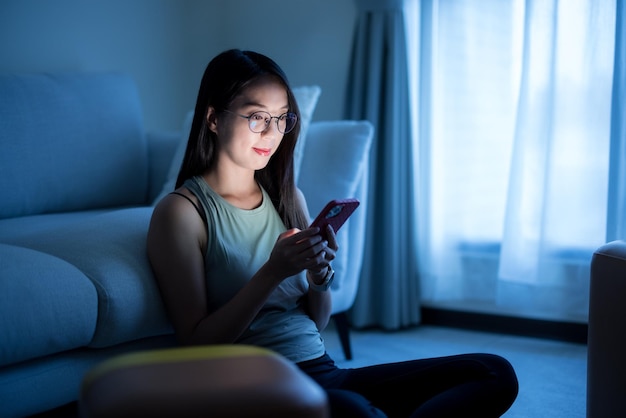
x=224, y=79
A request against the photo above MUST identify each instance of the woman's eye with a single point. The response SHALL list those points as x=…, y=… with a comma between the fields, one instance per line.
x=257, y=117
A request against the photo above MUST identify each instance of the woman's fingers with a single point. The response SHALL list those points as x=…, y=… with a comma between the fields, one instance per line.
x=305, y=249
x=332, y=238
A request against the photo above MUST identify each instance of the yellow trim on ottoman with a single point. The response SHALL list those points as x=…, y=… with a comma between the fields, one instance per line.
x=172, y=355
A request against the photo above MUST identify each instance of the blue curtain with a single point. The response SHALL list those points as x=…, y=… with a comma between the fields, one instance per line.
x=616, y=216
x=388, y=294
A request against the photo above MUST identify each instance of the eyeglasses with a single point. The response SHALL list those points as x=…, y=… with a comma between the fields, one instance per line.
x=259, y=121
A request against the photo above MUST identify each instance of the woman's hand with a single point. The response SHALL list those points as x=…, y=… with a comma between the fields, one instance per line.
x=297, y=250
x=327, y=255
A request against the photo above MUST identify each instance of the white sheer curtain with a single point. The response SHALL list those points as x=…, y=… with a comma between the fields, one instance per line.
x=512, y=103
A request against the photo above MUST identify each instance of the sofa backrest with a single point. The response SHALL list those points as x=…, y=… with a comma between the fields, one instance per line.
x=70, y=142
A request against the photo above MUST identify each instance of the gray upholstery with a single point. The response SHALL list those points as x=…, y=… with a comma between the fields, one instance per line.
x=606, y=361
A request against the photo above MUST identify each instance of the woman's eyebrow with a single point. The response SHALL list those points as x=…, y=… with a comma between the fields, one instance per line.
x=255, y=104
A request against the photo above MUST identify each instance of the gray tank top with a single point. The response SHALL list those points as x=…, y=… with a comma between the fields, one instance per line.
x=239, y=242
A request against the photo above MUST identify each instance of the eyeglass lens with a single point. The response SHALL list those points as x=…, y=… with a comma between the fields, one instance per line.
x=259, y=121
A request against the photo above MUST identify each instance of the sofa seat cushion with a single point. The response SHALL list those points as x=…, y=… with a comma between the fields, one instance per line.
x=42, y=384
x=46, y=305
x=110, y=249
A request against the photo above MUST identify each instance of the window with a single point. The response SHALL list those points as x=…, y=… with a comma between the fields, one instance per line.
x=511, y=103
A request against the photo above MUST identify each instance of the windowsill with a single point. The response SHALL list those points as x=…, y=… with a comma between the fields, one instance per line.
x=487, y=307
x=483, y=316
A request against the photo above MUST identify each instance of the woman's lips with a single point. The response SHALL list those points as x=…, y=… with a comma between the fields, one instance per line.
x=265, y=152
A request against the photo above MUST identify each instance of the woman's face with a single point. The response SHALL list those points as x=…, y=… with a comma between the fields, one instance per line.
x=240, y=146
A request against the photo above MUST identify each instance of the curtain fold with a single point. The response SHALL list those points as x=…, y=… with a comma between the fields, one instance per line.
x=616, y=216
x=533, y=144
x=378, y=91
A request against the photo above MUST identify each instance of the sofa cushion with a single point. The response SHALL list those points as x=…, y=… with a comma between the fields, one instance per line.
x=161, y=147
x=46, y=305
x=71, y=142
x=110, y=249
x=177, y=159
x=306, y=96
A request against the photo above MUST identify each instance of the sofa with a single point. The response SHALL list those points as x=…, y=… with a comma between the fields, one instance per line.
x=606, y=342
x=79, y=177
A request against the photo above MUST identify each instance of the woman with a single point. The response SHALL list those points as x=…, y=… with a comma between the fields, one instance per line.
x=236, y=262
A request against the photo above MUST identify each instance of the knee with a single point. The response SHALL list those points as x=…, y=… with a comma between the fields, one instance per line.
x=504, y=373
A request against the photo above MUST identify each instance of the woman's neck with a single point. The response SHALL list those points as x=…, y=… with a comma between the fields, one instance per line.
x=240, y=190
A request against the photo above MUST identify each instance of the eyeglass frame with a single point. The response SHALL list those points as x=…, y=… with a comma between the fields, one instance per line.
x=267, y=124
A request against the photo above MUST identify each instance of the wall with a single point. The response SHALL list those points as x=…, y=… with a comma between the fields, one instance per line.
x=310, y=39
x=165, y=44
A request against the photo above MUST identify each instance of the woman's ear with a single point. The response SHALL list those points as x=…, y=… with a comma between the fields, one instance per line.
x=211, y=119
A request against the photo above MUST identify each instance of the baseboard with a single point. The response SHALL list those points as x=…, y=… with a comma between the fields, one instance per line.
x=502, y=324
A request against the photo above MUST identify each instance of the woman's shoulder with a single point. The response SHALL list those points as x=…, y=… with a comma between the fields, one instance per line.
x=179, y=209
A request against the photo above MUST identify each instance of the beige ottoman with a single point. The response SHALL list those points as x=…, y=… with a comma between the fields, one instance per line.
x=204, y=381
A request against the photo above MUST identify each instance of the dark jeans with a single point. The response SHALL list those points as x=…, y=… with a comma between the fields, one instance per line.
x=468, y=385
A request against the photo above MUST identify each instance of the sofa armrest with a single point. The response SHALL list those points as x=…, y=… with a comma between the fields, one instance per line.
x=335, y=165
x=606, y=366
x=161, y=149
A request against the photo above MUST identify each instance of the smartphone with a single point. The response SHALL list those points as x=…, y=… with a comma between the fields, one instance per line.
x=335, y=213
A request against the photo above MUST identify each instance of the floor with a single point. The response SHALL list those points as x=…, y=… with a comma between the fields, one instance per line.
x=551, y=374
